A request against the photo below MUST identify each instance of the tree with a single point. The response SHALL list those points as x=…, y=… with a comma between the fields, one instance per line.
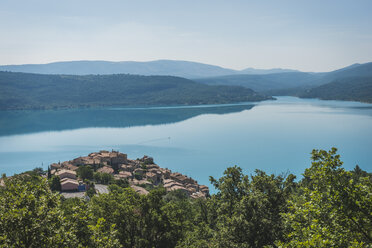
x=55, y=183
x=332, y=210
x=249, y=211
x=103, y=238
x=245, y=212
x=163, y=223
x=49, y=174
x=85, y=172
x=89, y=231
x=122, y=210
x=104, y=178
x=31, y=216
x=38, y=171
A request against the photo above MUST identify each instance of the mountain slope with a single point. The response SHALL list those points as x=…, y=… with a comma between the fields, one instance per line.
x=265, y=71
x=355, y=70
x=264, y=83
x=29, y=91
x=346, y=89
x=178, y=68
x=160, y=67
x=289, y=83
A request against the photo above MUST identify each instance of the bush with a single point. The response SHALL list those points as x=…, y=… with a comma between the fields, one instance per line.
x=103, y=178
x=55, y=183
x=85, y=172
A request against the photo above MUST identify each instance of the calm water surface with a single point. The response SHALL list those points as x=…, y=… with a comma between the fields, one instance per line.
x=275, y=136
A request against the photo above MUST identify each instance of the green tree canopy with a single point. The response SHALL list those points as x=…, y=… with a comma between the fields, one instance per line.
x=30, y=215
x=332, y=209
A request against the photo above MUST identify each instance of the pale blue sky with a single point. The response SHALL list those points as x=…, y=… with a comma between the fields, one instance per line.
x=306, y=35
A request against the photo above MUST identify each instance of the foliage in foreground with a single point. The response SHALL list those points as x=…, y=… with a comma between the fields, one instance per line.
x=329, y=207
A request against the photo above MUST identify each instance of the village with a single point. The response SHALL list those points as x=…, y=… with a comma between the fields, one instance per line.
x=141, y=174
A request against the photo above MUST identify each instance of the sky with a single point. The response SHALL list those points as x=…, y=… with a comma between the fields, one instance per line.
x=305, y=35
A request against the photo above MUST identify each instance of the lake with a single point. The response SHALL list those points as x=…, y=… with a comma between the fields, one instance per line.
x=199, y=141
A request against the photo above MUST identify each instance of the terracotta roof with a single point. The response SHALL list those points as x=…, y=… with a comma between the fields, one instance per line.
x=152, y=166
x=141, y=182
x=150, y=174
x=167, y=181
x=203, y=187
x=123, y=174
x=176, y=187
x=55, y=166
x=106, y=169
x=71, y=167
x=139, y=190
x=172, y=184
x=60, y=172
x=63, y=182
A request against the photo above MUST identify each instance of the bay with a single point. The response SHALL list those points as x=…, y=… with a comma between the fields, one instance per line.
x=199, y=141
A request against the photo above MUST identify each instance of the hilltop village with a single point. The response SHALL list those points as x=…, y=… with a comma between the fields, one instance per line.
x=141, y=174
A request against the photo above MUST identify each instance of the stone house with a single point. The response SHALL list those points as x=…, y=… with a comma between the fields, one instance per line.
x=55, y=166
x=153, y=177
x=71, y=167
x=66, y=174
x=204, y=189
x=125, y=175
x=68, y=184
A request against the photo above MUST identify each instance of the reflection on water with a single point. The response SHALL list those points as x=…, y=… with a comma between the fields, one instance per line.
x=275, y=136
x=21, y=122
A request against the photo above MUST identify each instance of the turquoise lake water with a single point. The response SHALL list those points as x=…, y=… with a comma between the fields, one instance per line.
x=199, y=141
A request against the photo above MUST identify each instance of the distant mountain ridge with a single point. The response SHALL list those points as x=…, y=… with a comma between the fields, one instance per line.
x=289, y=82
x=355, y=78
x=265, y=71
x=178, y=68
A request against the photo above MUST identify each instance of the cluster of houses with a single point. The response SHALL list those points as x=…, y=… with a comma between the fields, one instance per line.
x=141, y=173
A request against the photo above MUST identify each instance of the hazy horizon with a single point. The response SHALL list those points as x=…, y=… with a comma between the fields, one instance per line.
x=109, y=61
x=314, y=36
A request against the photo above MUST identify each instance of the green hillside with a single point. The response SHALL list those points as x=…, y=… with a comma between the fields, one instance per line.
x=347, y=89
x=264, y=82
x=179, y=68
x=36, y=91
x=289, y=83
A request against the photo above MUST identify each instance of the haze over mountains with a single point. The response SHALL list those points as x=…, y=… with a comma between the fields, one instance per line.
x=356, y=76
x=178, y=68
x=286, y=80
x=118, y=86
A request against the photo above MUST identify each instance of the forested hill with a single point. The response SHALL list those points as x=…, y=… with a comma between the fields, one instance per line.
x=264, y=82
x=347, y=89
x=37, y=91
x=288, y=82
x=351, y=83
